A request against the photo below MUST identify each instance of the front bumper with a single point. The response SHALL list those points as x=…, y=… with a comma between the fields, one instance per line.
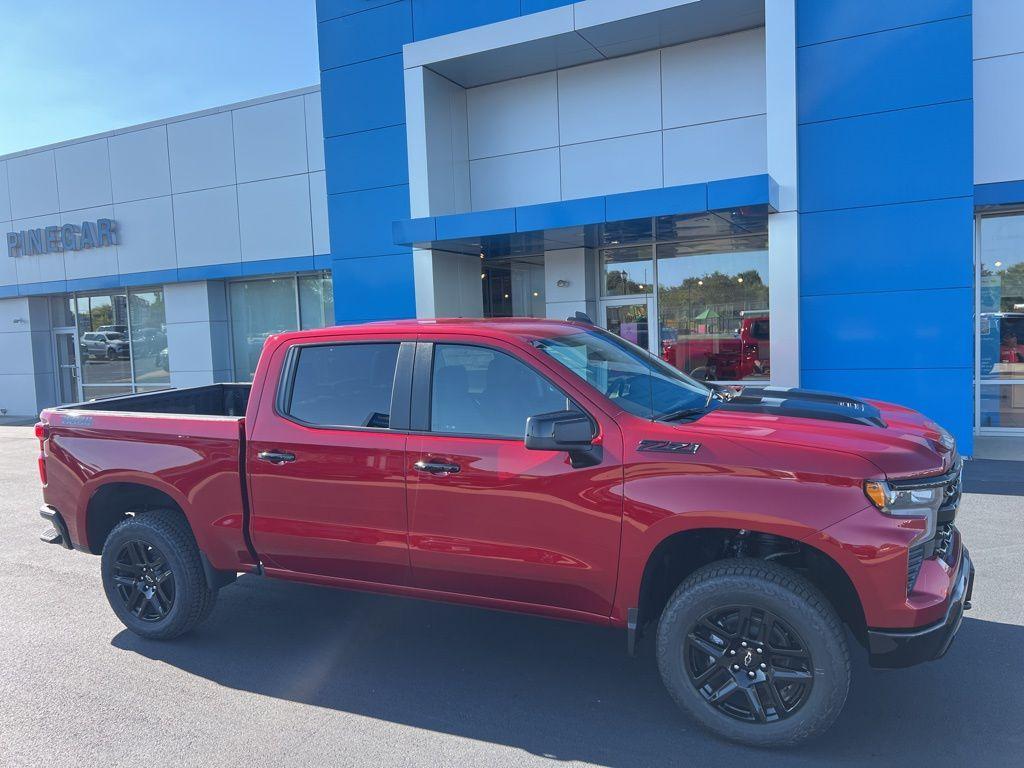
x=893, y=648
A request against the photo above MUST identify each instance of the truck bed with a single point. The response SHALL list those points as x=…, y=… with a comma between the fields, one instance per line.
x=209, y=400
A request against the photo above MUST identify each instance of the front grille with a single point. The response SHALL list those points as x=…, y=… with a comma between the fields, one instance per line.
x=943, y=546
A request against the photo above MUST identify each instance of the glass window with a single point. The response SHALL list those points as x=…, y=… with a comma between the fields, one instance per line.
x=713, y=308
x=479, y=391
x=62, y=311
x=1001, y=314
x=627, y=375
x=103, y=344
x=149, y=337
x=259, y=309
x=344, y=385
x=627, y=271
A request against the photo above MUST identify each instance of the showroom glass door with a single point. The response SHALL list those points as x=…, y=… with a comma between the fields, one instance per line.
x=1000, y=347
x=66, y=345
x=631, y=319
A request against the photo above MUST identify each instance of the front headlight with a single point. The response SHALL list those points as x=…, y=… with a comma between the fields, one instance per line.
x=919, y=500
x=946, y=438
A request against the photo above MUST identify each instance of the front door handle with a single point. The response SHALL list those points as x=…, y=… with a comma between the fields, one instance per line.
x=276, y=457
x=436, y=467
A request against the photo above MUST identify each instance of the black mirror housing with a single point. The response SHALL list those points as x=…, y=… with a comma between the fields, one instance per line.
x=570, y=431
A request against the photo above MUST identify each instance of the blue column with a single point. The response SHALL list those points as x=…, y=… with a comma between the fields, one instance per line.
x=886, y=203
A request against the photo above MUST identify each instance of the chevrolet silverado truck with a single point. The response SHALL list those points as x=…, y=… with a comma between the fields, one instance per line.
x=545, y=467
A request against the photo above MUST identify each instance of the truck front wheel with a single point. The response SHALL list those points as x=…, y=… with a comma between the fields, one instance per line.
x=153, y=576
x=755, y=653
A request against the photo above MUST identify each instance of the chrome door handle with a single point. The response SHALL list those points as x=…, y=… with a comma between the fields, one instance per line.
x=436, y=467
x=276, y=457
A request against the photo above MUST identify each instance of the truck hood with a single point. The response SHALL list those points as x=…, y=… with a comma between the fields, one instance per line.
x=899, y=441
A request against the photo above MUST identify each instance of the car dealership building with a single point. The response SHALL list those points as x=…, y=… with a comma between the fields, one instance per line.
x=823, y=193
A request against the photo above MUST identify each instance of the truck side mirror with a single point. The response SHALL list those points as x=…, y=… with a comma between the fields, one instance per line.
x=569, y=431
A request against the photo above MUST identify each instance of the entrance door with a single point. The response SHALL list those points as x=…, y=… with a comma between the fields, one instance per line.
x=633, y=320
x=67, y=366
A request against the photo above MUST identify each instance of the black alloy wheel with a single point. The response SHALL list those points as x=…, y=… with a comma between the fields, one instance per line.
x=144, y=580
x=748, y=663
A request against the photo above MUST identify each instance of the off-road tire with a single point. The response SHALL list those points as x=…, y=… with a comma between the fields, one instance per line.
x=168, y=532
x=786, y=594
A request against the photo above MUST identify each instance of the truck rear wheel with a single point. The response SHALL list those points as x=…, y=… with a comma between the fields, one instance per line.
x=755, y=653
x=153, y=576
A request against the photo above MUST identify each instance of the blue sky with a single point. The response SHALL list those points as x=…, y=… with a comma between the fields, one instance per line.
x=71, y=68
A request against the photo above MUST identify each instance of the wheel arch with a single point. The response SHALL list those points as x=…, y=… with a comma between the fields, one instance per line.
x=682, y=552
x=113, y=501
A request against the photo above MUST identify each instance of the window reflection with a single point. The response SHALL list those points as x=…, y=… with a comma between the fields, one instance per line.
x=1001, y=290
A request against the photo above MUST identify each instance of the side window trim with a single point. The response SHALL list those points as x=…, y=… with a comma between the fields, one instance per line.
x=400, y=392
x=423, y=389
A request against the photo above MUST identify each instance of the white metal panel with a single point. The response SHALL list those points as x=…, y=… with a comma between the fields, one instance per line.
x=780, y=98
x=274, y=218
x=16, y=350
x=8, y=266
x=610, y=98
x=42, y=267
x=186, y=302
x=714, y=79
x=270, y=139
x=92, y=262
x=511, y=180
x=189, y=347
x=83, y=175
x=314, y=131
x=998, y=120
x=33, y=185
x=206, y=227
x=998, y=27
x=446, y=145
x=18, y=393
x=202, y=152
x=713, y=151
x=513, y=116
x=594, y=12
x=318, y=212
x=416, y=143
x=139, y=165
x=607, y=167
x=5, y=194
x=146, y=235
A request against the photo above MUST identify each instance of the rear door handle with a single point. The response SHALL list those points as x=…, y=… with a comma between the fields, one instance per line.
x=436, y=467
x=276, y=457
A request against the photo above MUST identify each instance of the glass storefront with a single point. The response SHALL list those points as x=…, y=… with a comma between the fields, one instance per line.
x=707, y=297
x=1001, y=322
x=261, y=308
x=122, y=342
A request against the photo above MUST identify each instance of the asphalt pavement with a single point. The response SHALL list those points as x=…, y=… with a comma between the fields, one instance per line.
x=288, y=675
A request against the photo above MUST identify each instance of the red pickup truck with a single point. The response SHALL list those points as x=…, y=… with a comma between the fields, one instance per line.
x=544, y=467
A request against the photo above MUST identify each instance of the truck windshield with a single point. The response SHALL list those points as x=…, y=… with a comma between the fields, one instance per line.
x=631, y=377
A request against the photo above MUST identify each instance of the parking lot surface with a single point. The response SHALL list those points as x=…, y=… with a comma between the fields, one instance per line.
x=286, y=675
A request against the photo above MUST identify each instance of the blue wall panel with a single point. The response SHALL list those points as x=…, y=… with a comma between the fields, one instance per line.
x=363, y=96
x=332, y=9
x=820, y=20
x=368, y=159
x=907, y=67
x=887, y=248
x=432, y=18
x=911, y=154
x=892, y=329
x=361, y=222
x=374, y=288
x=886, y=203
x=362, y=36
x=532, y=6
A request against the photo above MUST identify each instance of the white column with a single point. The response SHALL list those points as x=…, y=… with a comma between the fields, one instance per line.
x=783, y=227
x=198, y=344
x=27, y=383
x=570, y=283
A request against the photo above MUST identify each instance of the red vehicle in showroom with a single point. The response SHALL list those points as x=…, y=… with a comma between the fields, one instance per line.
x=741, y=356
x=544, y=467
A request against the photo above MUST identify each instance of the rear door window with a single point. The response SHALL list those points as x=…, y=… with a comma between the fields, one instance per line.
x=344, y=385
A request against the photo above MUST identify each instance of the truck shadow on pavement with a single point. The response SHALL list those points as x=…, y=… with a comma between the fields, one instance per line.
x=568, y=691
